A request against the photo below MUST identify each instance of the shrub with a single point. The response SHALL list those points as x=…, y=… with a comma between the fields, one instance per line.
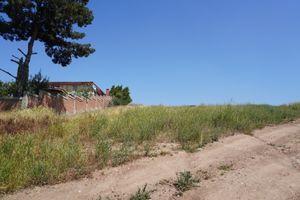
x=141, y=194
x=185, y=182
x=7, y=89
x=121, y=96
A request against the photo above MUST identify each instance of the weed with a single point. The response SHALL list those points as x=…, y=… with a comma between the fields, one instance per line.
x=184, y=182
x=141, y=194
x=226, y=167
x=107, y=198
x=147, y=149
x=203, y=174
x=103, y=151
x=39, y=173
x=121, y=156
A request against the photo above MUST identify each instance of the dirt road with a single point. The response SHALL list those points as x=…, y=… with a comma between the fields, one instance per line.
x=263, y=166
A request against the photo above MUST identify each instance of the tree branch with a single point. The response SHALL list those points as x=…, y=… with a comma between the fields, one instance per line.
x=16, y=57
x=8, y=73
x=12, y=60
x=24, y=54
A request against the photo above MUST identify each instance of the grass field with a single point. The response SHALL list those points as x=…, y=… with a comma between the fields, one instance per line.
x=38, y=147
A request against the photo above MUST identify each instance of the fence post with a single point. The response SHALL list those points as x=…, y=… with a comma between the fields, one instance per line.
x=24, y=102
x=74, y=106
x=86, y=104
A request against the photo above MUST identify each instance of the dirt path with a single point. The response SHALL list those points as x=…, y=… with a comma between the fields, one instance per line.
x=263, y=166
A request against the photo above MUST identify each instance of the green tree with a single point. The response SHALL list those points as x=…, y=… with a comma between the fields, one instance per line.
x=120, y=95
x=52, y=22
x=7, y=89
x=37, y=83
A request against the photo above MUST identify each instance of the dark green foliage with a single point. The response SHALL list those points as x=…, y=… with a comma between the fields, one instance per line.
x=37, y=83
x=121, y=96
x=7, y=89
x=52, y=22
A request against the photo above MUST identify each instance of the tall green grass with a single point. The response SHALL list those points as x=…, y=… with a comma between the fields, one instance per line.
x=47, y=148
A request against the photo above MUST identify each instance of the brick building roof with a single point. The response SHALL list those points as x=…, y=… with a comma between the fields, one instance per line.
x=86, y=83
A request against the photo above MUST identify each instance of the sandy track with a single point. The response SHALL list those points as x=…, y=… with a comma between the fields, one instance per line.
x=264, y=166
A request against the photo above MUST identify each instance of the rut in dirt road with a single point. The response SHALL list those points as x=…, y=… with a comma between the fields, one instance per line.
x=263, y=166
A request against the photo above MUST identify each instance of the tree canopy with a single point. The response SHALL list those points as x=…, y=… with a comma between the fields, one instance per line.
x=37, y=83
x=55, y=23
x=120, y=95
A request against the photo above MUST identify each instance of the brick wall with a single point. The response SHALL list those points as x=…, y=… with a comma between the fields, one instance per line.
x=60, y=104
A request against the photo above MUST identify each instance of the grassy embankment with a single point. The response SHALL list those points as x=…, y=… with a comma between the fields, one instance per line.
x=39, y=147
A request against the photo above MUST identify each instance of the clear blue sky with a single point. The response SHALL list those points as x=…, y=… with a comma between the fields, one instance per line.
x=179, y=52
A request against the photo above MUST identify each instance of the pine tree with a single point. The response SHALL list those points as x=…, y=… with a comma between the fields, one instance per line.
x=51, y=22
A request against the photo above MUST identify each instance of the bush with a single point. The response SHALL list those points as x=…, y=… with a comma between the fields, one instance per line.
x=120, y=95
x=7, y=89
x=185, y=182
x=141, y=194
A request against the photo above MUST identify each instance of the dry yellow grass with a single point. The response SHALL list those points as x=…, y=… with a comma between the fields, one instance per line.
x=39, y=147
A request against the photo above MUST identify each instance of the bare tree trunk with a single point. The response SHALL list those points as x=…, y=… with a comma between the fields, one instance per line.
x=23, y=69
x=19, y=82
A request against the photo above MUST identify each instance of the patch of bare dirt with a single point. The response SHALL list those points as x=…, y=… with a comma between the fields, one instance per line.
x=263, y=166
